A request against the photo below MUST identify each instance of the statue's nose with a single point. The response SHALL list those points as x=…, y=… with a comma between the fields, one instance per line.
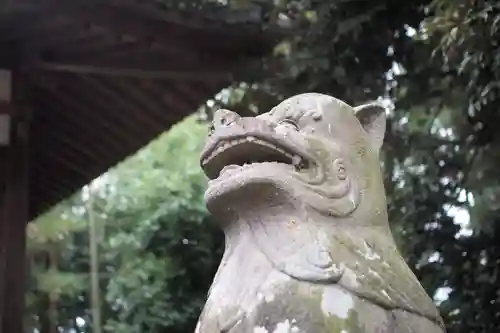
x=224, y=118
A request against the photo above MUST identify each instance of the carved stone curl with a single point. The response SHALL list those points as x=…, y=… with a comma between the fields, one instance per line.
x=299, y=194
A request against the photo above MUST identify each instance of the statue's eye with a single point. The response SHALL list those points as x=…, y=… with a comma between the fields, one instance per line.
x=289, y=123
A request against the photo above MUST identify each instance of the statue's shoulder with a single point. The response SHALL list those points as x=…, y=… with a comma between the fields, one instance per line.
x=351, y=259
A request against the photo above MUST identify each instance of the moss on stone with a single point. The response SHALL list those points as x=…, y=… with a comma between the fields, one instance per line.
x=300, y=304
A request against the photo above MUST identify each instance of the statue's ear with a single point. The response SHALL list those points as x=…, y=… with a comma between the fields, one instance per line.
x=373, y=119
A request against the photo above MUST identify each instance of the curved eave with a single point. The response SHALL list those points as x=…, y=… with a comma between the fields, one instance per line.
x=104, y=78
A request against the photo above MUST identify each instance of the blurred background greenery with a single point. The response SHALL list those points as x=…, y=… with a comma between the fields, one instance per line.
x=135, y=251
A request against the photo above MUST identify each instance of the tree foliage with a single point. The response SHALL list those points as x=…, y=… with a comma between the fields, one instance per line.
x=162, y=247
x=158, y=248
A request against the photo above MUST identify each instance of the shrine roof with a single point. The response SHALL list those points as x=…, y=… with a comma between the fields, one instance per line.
x=105, y=77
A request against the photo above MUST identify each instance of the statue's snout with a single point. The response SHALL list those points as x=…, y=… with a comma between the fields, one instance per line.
x=224, y=118
x=226, y=122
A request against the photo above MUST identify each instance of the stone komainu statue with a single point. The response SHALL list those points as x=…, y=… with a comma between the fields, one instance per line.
x=298, y=192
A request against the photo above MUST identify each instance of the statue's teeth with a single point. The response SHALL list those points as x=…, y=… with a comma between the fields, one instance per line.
x=296, y=160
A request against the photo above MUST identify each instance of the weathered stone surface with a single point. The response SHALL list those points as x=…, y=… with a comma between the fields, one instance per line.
x=299, y=194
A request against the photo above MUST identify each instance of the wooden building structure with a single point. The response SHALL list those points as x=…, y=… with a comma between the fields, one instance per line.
x=85, y=83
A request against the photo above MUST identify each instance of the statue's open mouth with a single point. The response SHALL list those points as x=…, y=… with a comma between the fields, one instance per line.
x=237, y=153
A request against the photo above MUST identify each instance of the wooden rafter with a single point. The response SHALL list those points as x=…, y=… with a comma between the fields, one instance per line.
x=74, y=111
x=130, y=72
x=109, y=96
x=142, y=99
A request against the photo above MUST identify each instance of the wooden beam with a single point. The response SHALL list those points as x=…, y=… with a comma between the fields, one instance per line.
x=13, y=215
x=130, y=72
x=125, y=21
x=152, y=11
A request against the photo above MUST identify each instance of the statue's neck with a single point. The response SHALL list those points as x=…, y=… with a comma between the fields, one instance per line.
x=271, y=228
x=271, y=213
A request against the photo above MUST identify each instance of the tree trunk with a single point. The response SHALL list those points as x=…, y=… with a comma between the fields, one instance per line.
x=94, y=266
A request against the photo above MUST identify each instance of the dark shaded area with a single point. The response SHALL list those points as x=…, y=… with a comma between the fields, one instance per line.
x=106, y=77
